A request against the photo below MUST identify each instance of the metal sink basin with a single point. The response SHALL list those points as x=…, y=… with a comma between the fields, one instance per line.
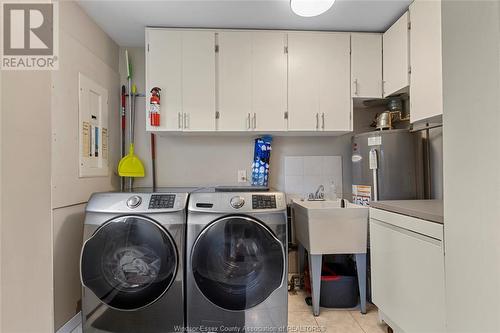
x=323, y=227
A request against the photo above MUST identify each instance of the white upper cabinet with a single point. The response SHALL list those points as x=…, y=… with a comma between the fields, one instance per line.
x=164, y=70
x=303, y=86
x=182, y=65
x=366, y=65
x=396, y=57
x=269, y=81
x=198, y=80
x=426, y=88
x=252, y=81
x=335, y=92
x=319, y=82
x=235, y=80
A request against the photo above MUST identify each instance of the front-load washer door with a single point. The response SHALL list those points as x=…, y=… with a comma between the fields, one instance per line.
x=237, y=262
x=129, y=262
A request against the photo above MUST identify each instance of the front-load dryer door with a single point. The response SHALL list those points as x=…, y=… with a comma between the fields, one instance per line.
x=129, y=262
x=237, y=262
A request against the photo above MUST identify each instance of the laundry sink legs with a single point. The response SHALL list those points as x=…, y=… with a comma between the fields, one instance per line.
x=315, y=265
x=315, y=261
x=361, y=269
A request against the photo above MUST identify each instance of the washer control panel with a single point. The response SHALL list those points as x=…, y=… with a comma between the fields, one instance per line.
x=237, y=202
x=134, y=201
x=263, y=201
x=162, y=201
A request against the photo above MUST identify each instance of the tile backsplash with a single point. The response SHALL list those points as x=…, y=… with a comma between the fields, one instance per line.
x=303, y=174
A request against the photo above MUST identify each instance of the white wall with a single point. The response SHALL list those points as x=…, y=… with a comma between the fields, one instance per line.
x=1, y=193
x=84, y=48
x=471, y=87
x=26, y=238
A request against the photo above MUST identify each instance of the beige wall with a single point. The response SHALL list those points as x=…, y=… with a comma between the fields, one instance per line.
x=1, y=194
x=26, y=238
x=471, y=88
x=68, y=235
x=84, y=48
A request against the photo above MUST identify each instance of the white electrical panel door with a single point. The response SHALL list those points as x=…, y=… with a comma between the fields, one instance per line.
x=198, y=80
x=235, y=80
x=269, y=81
x=93, y=128
x=164, y=70
x=396, y=56
x=366, y=65
x=426, y=88
x=319, y=96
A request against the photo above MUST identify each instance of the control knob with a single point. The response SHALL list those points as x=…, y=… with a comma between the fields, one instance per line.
x=237, y=202
x=134, y=201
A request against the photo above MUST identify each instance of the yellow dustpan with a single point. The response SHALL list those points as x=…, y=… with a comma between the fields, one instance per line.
x=131, y=165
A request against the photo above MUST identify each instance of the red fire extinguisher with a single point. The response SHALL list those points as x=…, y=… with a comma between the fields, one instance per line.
x=154, y=107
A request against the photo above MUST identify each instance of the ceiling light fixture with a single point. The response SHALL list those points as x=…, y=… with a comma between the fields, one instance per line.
x=310, y=8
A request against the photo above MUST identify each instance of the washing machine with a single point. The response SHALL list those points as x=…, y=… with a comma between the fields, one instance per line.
x=236, y=262
x=131, y=263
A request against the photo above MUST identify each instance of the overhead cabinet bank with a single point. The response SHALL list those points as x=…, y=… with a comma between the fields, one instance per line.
x=250, y=81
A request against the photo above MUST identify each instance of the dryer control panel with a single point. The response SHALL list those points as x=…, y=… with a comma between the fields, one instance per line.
x=263, y=201
x=159, y=201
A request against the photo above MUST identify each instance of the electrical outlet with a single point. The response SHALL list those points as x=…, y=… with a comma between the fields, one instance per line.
x=242, y=176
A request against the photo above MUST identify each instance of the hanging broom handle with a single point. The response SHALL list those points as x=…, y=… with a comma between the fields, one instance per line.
x=130, y=131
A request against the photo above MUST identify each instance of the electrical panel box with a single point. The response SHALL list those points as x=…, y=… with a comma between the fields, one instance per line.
x=93, y=128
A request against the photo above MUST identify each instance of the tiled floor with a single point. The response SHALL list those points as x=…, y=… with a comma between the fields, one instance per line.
x=301, y=319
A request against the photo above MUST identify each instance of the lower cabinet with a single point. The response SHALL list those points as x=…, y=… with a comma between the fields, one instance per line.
x=407, y=272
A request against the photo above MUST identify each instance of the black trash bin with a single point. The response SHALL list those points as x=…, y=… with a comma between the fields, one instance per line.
x=339, y=286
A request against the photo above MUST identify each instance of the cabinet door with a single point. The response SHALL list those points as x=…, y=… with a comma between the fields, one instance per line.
x=426, y=88
x=407, y=274
x=318, y=81
x=396, y=56
x=366, y=65
x=198, y=80
x=164, y=70
x=235, y=80
x=269, y=75
x=303, y=86
x=334, y=83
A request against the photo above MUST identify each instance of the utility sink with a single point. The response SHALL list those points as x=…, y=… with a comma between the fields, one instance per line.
x=323, y=227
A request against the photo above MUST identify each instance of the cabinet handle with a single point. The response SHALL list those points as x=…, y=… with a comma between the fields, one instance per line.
x=323, y=120
x=179, y=123
x=254, y=120
x=317, y=120
x=184, y=120
x=249, y=123
x=188, y=116
x=356, y=87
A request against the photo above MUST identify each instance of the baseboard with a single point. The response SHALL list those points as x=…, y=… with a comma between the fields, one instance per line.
x=71, y=324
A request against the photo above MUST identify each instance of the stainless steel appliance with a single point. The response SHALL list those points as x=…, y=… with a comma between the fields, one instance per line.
x=384, y=166
x=132, y=262
x=236, y=262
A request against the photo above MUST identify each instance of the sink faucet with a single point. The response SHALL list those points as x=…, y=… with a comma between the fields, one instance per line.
x=318, y=195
